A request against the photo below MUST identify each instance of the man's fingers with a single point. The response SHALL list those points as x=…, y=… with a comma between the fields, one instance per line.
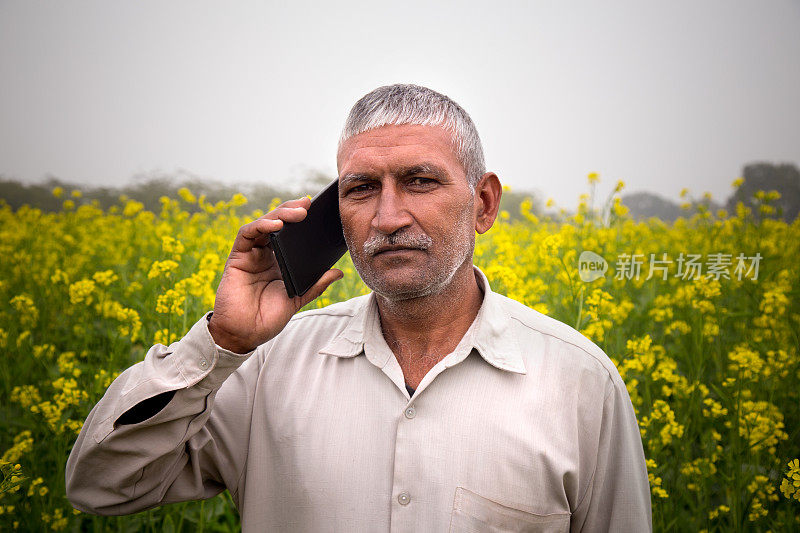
x=255, y=234
x=305, y=201
x=286, y=213
x=289, y=209
x=319, y=287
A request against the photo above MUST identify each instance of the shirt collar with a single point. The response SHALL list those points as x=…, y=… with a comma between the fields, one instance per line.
x=491, y=334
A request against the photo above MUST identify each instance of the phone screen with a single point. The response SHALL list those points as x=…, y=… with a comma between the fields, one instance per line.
x=305, y=250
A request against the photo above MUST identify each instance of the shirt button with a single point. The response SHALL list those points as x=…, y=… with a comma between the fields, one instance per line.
x=411, y=412
x=404, y=498
x=203, y=364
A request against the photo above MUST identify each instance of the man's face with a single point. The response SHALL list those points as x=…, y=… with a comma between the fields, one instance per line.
x=406, y=208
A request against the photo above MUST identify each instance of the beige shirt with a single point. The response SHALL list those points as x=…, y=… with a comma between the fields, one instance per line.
x=526, y=426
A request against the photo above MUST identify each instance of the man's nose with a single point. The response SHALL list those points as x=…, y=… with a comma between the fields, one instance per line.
x=391, y=212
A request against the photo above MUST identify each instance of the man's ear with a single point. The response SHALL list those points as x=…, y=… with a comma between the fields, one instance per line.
x=487, y=201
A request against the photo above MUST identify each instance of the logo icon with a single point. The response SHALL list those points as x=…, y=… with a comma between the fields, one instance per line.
x=591, y=266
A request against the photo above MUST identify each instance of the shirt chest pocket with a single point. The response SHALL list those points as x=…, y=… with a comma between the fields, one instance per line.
x=474, y=513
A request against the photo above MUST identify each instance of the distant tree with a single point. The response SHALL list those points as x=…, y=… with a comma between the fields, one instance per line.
x=644, y=205
x=16, y=194
x=768, y=177
x=147, y=189
x=511, y=201
x=315, y=181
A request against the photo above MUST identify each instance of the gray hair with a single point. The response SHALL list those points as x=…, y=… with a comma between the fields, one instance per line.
x=412, y=104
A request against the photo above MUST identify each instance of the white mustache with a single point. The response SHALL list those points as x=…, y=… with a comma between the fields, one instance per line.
x=376, y=243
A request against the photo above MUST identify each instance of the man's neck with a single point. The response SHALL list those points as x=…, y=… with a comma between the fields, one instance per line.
x=422, y=331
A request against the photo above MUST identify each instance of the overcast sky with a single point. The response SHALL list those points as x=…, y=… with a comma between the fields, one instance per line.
x=662, y=95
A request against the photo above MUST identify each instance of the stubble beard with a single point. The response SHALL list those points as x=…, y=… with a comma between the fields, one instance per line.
x=456, y=246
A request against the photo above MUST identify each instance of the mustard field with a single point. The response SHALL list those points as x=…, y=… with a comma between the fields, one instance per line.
x=701, y=318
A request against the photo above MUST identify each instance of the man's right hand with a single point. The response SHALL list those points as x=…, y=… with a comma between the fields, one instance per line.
x=251, y=305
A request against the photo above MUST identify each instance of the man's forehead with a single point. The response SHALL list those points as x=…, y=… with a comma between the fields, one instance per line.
x=399, y=171
x=408, y=141
x=391, y=132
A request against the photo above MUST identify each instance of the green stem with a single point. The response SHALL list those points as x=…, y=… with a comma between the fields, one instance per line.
x=580, y=309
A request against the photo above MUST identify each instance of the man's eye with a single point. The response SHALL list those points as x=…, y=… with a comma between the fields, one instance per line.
x=421, y=181
x=360, y=189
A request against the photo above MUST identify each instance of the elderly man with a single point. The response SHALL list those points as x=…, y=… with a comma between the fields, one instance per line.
x=430, y=404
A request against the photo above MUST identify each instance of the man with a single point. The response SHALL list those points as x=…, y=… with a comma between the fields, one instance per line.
x=431, y=403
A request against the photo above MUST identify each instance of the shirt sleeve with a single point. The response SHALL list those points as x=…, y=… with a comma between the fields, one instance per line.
x=192, y=445
x=618, y=495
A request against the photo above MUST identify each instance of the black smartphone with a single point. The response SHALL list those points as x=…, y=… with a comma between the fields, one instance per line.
x=305, y=250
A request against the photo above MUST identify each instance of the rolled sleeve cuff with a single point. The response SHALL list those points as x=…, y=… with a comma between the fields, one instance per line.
x=201, y=361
